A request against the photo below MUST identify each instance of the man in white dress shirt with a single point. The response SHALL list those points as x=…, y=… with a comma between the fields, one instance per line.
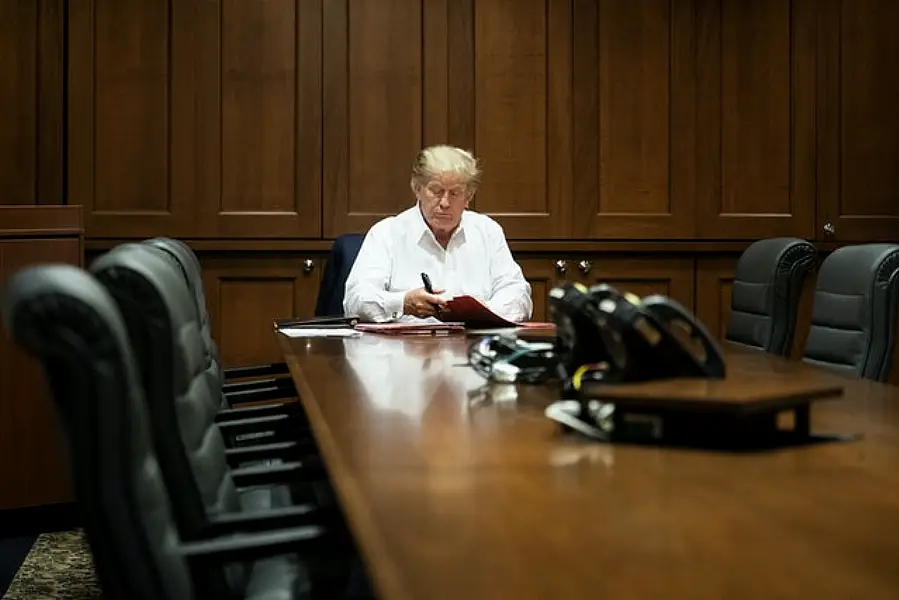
x=461, y=251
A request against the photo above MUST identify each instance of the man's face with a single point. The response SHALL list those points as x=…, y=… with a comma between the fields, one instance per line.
x=442, y=200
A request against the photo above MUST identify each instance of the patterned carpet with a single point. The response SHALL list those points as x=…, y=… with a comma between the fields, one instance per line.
x=59, y=567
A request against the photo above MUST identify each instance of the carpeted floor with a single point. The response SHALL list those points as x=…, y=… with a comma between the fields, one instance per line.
x=59, y=567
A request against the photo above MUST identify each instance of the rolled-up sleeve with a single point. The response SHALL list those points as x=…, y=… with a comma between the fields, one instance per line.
x=511, y=297
x=366, y=296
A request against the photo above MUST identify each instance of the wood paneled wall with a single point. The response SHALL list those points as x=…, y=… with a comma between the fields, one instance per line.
x=33, y=469
x=640, y=141
x=32, y=80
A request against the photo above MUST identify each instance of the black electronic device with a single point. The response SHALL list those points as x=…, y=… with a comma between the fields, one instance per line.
x=609, y=337
x=509, y=359
x=618, y=338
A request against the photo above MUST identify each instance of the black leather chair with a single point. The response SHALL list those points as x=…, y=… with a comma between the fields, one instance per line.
x=284, y=473
x=767, y=288
x=69, y=322
x=240, y=426
x=333, y=285
x=155, y=303
x=276, y=385
x=855, y=309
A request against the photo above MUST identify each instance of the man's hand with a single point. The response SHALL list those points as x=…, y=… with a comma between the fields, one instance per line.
x=419, y=303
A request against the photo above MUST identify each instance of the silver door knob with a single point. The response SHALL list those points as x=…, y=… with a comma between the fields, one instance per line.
x=829, y=229
x=308, y=265
x=585, y=266
x=561, y=266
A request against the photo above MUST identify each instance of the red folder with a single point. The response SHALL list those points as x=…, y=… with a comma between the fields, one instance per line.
x=411, y=328
x=474, y=314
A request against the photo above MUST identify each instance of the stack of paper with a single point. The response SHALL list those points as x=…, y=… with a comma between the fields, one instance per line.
x=339, y=327
x=309, y=332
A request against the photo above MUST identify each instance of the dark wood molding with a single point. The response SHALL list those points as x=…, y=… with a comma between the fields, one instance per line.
x=40, y=221
x=529, y=246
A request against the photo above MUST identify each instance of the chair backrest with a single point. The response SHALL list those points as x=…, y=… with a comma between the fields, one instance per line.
x=192, y=272
x=155, y=303
x=333, y=285
x=854, y=315
x=767, y=288
x=65, y=318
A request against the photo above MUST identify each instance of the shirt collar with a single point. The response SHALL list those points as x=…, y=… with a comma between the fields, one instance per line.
x=422, y=230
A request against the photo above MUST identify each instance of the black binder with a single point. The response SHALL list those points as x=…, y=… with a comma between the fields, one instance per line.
x=317, y=323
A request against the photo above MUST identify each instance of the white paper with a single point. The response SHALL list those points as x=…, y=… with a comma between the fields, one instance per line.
x=418, y=321
x=306, y=332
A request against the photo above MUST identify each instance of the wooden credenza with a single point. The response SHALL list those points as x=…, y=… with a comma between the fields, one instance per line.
x=33, y=467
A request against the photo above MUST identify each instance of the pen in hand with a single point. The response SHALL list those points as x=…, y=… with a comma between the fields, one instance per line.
x=429, y=288
x=427, y=281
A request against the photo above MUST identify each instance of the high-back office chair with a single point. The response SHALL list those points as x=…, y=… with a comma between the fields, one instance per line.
x=68, y=321
x=343, y=254
x=855, y=309
x=270, y=388
x=188, y=438
x=162, y=321
x=767, y=288
x=240, y=426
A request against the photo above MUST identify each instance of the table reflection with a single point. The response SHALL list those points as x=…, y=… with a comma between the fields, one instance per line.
x=408, y=375
x=417, y=403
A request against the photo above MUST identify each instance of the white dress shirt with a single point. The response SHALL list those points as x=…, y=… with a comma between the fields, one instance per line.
x=476, y=262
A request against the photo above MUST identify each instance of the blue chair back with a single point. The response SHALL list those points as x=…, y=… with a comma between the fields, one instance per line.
x=343, y=255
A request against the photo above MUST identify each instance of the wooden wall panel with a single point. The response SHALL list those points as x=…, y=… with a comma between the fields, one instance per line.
x=123, y=91
x=18, y=95
x=541, y=274
x=33, y=464
x=253, y=155
x=643, y=275
x=714, y=284
x=31, y=100
x=756, y=125
x=245, y=293
x=522, y=114
x=858, y=126
x=40, y=474
x=594, y=119
x=635, y=118
x=375, y=106
x=196, y=119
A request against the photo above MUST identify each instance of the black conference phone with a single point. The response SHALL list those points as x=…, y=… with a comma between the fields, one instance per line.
x=619, y=338
x=608, y=337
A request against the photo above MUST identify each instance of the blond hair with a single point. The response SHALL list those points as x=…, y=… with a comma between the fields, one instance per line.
x=442, y=160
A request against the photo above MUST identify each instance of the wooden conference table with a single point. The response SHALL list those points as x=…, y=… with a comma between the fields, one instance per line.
x=455, y=494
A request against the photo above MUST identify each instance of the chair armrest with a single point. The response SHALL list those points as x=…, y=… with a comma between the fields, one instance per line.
x=253, y=384
x=247, y=372
x=264, y=430
x=282, y=424
x=308, y=540
x=307, y=471
x=274, y=519
x=285, y=451
x=274, y=392
x=292, y=409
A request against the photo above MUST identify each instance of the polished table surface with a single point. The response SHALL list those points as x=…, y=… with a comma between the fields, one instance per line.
x=452, y=493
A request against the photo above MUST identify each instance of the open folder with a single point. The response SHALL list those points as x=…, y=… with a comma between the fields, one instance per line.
x=427, y=327
x=474, y=314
